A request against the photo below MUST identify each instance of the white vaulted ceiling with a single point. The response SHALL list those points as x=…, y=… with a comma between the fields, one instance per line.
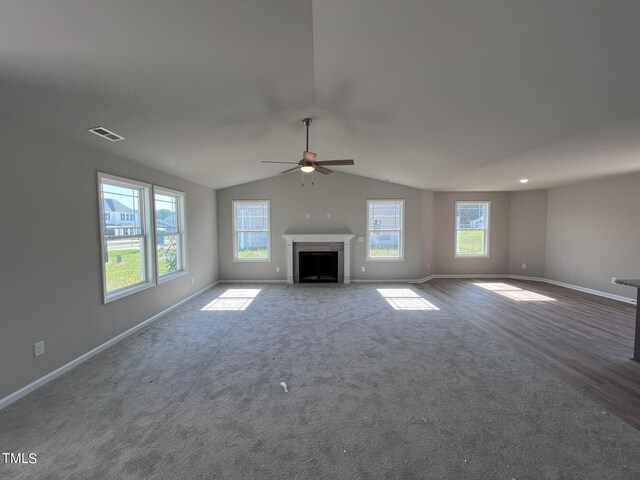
x=437, y=94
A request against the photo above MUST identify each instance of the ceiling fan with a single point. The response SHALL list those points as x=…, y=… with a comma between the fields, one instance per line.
x=308, y=163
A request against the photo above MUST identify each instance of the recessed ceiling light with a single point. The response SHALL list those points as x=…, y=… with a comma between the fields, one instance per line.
x=524, y=180
x=108, y=134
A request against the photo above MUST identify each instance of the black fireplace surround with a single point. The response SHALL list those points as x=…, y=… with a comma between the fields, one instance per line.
x=318, y=267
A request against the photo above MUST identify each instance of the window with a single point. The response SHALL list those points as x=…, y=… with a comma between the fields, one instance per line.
x=385, y=230
x=127, y=217
x=472, y=229
x=107, y=216
x=251, y=231
x=127, y=254
x=171, y=242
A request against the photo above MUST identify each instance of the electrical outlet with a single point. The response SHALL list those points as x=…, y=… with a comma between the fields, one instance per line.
x=613, y=280
x=363, y=269
x=193, y=281
x=277, y=269
x=428, y=266
x=38, y=348
x=361, y=239
x=307, y=216
x=328, y=215
x=524, y=266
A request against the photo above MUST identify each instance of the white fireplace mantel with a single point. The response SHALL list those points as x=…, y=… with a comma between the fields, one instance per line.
x=345, y=238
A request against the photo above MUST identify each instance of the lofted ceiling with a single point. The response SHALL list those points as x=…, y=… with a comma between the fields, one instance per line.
x=438, y=94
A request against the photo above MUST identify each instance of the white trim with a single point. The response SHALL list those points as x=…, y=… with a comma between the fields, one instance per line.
x=591, y=291
x=18, y=394
x=487, y=229
x=252, y=281
x=236, y=258
x=599, y=293
x=472, y=275
x=422, y=280
x=319, y=237
x=181, y=214
x=170, y=276
x=344, y=238
x=148, y=238
x=387, y=280
x=399, y=258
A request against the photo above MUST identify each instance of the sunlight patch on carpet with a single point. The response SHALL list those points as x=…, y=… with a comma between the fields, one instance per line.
x=405, y=299
x=514, y=293
x=234, y=299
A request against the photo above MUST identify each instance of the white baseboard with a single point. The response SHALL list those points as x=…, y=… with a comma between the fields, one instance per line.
x=386, y=280
x=599, y=293
x=472, y=275
x=18, y=394
x=253, y=281
x=422, y=280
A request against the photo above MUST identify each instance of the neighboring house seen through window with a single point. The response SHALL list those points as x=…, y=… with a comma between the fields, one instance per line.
x=251, y=230
x=127, y=252
x=170, y=232
x=472, y=229
x=385, y=230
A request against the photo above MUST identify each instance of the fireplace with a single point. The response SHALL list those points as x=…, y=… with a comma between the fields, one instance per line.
x=338, y=244
x=318, y=267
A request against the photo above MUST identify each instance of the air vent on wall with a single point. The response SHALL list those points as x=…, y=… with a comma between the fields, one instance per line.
x=104, y=133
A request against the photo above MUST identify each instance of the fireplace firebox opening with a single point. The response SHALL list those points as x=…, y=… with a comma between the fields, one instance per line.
x=318, y=267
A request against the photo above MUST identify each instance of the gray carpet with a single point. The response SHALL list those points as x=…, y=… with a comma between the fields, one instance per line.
x=374, y=392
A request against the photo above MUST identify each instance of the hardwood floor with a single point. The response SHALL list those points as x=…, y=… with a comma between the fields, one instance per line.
x=582, y=339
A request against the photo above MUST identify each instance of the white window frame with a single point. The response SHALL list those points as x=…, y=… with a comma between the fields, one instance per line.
x=487, y=229
x=400, y=258
x=182, y=232
x=146, y=219
x=236, y=258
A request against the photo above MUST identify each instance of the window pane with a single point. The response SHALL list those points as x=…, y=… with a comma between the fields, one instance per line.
x=123, y=263
x=470, y=242
x=252, y=244
x=384, y=244
x=252, y=216
x=169, y=249
x=121, y=206
x=471, y=216
x=384, y=215
x=166, y=213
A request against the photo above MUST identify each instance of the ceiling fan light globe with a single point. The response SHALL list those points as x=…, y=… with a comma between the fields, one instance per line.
x=307, y=168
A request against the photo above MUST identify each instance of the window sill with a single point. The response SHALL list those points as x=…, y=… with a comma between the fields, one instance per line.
x=250, y=260
x=470, y=256
x=170, y=276
x=116, y=295
x=383, y=259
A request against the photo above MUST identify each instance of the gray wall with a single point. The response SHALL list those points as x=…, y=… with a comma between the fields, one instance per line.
x=444, y=224
x=527, y=233
x=428, y=232
x=50, y=273
x=341, y=195
x=593, y=233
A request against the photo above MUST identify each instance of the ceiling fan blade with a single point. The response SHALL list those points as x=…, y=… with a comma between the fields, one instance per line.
x=336, y=162
x=309, y=156
x=323, y=170
x=266, y=161
x=290, y=170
